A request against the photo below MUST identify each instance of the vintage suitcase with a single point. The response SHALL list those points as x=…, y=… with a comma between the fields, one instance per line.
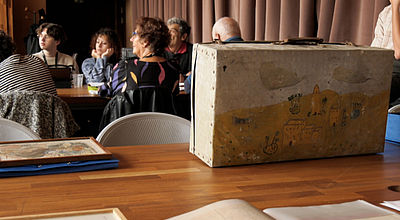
x=256, y=103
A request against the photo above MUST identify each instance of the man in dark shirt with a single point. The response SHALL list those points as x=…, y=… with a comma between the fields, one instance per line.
x=180, y=50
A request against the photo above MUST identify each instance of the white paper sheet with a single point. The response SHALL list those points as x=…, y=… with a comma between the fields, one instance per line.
x=350, y=210
x=392, y=204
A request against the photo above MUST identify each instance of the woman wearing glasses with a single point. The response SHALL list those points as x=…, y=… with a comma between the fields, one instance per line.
x=145, y=83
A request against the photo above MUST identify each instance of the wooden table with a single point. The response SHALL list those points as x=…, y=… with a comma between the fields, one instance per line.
x=86, y=108
x=160, y=181
x=78, y=98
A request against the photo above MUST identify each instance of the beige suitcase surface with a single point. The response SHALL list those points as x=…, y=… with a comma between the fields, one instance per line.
x=258, y=103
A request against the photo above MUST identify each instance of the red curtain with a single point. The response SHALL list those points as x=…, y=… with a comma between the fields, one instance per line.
x=271, y=20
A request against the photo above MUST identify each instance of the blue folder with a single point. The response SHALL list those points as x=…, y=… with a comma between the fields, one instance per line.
x=393, y=128
x=68, y=167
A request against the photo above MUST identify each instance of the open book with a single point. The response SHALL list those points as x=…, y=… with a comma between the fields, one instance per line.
x=236, y=209
x=349, y=210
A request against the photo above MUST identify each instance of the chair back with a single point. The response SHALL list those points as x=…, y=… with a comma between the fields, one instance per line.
x=61, y=77
x=12, y=131
x=45, y=114
x=145, y=128
x=395, y=109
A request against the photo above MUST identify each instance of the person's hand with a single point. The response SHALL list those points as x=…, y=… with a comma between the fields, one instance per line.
x=188, y=74
x=95, y=54
x=109, y=52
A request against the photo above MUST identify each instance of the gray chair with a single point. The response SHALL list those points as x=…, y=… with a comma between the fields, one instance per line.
x=145, y=128
x=13, y=131
x=126, y=53
x=395, y=109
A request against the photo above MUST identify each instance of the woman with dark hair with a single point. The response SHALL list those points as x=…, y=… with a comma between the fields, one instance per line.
x=145, y=83
x=106, y=50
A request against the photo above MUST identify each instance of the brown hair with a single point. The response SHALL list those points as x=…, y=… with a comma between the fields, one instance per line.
x=112, y=38
x=155, y=32
x=55, y=31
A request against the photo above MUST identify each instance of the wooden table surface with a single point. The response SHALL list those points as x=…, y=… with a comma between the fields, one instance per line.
x=81, y=96
x=160, y=181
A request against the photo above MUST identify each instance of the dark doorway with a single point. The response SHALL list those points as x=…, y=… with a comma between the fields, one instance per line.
x=82, y=18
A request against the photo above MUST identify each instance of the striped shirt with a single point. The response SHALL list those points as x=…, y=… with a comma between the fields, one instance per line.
x=25, y=72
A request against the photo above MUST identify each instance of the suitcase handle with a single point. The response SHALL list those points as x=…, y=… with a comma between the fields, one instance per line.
x=289, y=41
x=302, y=41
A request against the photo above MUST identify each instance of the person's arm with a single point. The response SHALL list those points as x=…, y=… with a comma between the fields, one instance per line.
x=116, y=81
x=396, y=28
x=96, y=70
x=106, y=89
x=187, y=84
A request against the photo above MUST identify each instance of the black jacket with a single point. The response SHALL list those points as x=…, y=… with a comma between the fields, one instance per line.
x=32, y=40
x=140, y=100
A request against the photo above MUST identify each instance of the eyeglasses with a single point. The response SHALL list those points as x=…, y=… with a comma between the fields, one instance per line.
x=44, y=36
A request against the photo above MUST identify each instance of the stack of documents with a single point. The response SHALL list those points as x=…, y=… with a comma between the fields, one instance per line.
x=349, y=210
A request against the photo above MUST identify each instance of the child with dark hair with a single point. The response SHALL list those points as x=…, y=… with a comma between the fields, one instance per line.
x=50, y=37
x=106, y=51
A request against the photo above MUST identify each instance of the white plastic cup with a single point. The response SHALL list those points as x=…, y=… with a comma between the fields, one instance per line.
x=181, y=86
x=77, y=80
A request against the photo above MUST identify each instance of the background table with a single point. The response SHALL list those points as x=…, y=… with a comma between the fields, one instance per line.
x=80, y=98
x=86, y=108
x=160, y=181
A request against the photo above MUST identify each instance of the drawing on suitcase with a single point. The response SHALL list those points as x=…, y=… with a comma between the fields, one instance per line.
x=294, y=103
x=271, y=147
x=316, y=101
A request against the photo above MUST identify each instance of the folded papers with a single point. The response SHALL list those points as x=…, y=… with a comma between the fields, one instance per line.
x=359, y=209
x=392, y=204
x=66, y=167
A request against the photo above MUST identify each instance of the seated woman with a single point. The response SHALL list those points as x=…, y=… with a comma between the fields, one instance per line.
x=146, y=83
x=106, y=50
x=22, y=72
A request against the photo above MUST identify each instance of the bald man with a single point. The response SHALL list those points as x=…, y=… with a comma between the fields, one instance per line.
x=226, y=29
